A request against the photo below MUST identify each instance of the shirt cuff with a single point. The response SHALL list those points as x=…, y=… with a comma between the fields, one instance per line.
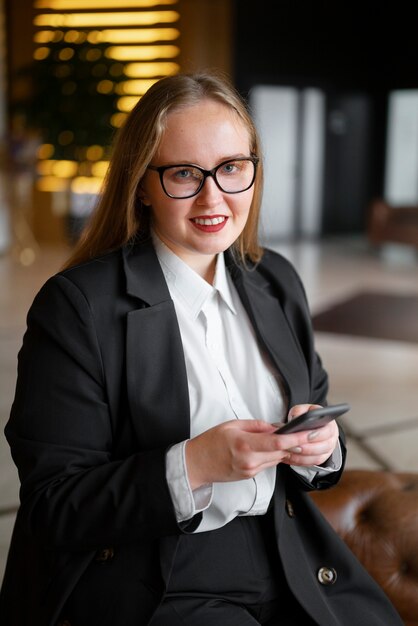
x=333, y=464
x=186, y=502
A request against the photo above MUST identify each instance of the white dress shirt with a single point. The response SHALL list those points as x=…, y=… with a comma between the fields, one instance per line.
x=228, y=378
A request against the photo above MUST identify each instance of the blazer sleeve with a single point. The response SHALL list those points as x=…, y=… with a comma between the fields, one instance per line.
x=74, y=494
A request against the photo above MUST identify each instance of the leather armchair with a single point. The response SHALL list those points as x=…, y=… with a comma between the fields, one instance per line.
x=376, y=513
x=388, y=223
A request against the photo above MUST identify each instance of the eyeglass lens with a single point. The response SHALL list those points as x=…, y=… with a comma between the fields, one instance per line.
x=232, y=177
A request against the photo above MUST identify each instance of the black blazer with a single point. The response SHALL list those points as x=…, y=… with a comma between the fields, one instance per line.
x=101, y=394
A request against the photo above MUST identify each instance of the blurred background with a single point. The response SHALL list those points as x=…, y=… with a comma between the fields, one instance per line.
x=334, y=92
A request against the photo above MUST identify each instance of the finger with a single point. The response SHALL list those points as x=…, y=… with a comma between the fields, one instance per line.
x=325, y=447
x=329, y=431
x=308, y=452
x=300, y=409
x=261, y=447
x=259, y=461
x=306, y=461
x=253, y=426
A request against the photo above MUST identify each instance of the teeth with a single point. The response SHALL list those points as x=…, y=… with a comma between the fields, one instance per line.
x=209, y=221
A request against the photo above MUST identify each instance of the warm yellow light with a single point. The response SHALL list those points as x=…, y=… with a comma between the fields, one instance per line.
x=66, y=54
x=127, y=103
x=43, y=36
x=118, y=119
x=41, y=53
x=65, y=169
x=105, y=86
x=93, y=54
x=123, y=18
x=44, y=168
x=137, y=53
x=94, y=153
x=58, y=169
x=75, y=36
x=58, y=35
x=133, y=35
x=144, y=70
x=86, y=184
x=69, y=5
x=45, y=151
x=134, y=87
x=100, y=168
x=51, y=183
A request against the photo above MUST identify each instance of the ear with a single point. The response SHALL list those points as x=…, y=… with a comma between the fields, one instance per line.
x=143, y=196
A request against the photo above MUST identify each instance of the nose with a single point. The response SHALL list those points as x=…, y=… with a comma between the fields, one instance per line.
x=210, y=194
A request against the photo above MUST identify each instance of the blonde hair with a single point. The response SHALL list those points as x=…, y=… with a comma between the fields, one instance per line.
x=119, y=216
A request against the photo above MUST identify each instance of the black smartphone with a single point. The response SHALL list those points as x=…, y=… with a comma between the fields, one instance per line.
x=315, y=418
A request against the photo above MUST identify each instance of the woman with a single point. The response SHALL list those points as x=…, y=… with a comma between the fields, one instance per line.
x=154, y=368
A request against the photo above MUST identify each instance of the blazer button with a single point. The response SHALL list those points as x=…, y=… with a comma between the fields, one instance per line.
x=106, y=554
x=327, y=575
x=289, y=508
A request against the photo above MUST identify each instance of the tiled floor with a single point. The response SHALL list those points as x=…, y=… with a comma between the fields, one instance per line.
x=378, y=378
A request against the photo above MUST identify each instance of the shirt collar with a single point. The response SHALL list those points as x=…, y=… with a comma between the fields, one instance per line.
x=222, y=283
x=187, y=285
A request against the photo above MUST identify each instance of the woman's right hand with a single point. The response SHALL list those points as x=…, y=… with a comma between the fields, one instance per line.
x=237, y=450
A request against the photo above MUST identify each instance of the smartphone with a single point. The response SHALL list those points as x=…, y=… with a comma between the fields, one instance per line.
x=315, y=418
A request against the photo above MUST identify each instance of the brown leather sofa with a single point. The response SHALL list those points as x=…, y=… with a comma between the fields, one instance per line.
x=376, y=513
x=390, y=224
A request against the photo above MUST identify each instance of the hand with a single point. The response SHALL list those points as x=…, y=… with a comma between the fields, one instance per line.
x=240, y=449
x=321, y=441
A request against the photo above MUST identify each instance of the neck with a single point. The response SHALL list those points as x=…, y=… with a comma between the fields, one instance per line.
x=203, y=265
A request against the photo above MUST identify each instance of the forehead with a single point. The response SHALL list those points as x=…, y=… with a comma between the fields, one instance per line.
x=208, y=128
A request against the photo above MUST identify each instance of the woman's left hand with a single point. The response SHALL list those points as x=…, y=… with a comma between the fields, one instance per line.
x=321, y=441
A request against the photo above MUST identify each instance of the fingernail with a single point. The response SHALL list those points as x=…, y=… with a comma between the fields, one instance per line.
x=296, y=450
x=313, y=435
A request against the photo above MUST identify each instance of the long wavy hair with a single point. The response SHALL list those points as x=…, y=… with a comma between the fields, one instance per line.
x=119, y=216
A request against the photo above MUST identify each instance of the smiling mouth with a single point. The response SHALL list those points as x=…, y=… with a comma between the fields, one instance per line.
x=209, y=221
x=209, y=224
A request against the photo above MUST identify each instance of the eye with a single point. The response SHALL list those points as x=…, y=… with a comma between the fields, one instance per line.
x=229, y=168
x=183, y=174
x=232, y=168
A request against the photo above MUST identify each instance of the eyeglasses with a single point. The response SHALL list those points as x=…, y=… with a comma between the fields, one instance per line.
x=186, y=180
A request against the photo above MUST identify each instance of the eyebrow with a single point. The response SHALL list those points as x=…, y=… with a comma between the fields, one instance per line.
x=222, y=160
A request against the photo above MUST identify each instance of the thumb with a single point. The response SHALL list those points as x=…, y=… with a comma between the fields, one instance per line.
x=300, y=409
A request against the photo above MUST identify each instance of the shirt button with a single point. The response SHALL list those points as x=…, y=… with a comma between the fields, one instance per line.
x=327, y=575
x=106, y=554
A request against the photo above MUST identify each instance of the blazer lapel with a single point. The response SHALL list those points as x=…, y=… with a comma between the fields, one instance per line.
x=273, y=329
x=156, y=372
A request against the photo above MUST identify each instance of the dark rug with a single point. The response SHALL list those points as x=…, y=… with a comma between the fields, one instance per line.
x=378, y=315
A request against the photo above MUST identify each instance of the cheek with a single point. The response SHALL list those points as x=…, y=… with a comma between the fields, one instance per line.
x=241, y=207
x=166, y=212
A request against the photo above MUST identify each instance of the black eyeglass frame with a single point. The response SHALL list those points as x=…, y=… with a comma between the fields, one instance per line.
x=206, y=173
